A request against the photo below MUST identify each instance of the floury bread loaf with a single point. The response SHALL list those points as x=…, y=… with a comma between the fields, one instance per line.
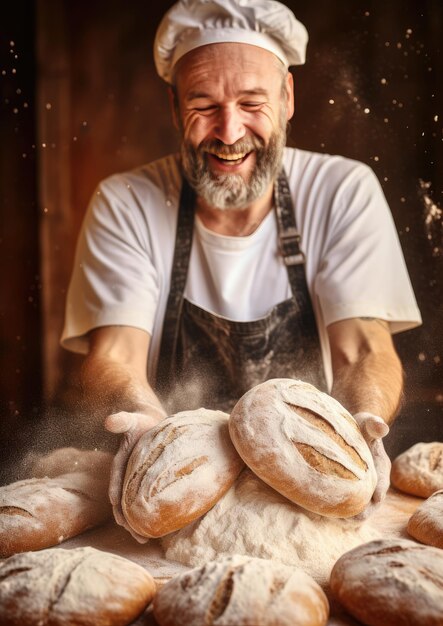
x=42, y=512
x=391, y=583
x=177, y=471
x=81, y=587
x=305, y=445
x=426, y=523
x=419, y=470
x=241, y=591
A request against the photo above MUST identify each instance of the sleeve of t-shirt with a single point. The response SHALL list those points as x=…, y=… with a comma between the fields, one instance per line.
x=363, y=271
x=114, y=281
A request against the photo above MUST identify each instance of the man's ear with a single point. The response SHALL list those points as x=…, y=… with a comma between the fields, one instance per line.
x=290, y=95
x=173, y=103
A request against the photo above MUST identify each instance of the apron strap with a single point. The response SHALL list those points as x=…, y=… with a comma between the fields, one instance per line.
x=289, y=245
x=179, y=272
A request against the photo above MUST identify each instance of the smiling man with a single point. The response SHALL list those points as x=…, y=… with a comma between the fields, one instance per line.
x=233, y=126
x=207, y=272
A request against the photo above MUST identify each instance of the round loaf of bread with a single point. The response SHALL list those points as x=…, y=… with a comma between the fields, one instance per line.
x=83, y=586
x=241, y=591
x=391, y=583
x=419, y=470
x=305, y=445
x=42, y=512
x=178, y=470
x=426, y=523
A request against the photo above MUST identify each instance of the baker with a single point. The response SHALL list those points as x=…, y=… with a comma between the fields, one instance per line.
x=204, y=273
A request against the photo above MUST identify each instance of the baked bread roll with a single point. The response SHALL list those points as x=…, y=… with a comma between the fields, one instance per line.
x=83, y=586
x=177, y=471
x=305, y=445
x=391, y=583
x=426, y=523
x=42, y=512
x=419, y=470
x=241, y=591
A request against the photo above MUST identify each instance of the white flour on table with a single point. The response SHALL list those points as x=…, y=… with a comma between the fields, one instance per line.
x=254, y=519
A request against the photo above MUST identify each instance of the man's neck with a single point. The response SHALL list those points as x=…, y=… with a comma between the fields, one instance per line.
x=236, y=222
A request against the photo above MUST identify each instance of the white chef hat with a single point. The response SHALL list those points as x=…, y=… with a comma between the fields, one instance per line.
x=190, y=24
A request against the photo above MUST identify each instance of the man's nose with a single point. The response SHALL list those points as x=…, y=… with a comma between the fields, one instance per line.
x=229, y=126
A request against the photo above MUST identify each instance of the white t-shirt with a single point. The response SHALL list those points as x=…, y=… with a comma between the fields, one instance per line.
x=354, y=263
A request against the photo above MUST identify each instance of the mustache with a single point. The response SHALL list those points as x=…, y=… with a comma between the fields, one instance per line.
x=245, y=144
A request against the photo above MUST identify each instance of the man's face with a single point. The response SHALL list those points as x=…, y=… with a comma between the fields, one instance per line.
x=233, y=104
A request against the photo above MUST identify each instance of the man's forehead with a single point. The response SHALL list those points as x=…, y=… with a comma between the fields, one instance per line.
x=241, y=59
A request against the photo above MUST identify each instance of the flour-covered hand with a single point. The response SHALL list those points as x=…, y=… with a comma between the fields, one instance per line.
x=132, y=426
x=373, y=429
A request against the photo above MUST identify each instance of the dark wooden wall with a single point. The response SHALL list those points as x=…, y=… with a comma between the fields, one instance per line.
x=20, y=281
x=371, y=90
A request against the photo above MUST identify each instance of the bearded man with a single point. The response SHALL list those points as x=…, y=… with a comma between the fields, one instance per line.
x=203, y=274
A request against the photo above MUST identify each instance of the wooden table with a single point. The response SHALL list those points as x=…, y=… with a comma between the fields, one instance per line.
x=391, y=519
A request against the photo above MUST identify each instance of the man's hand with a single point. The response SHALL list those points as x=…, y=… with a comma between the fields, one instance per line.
x=132, y=426
x=373, y=429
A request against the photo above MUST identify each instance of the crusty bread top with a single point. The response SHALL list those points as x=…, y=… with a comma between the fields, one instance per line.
x=306, y=445
x=391, y=582
x=419, y=469
x=239, y=591
x=61, y=478
x=41, y=512
x=178, y=470
x=40, y=498
x=82, y=586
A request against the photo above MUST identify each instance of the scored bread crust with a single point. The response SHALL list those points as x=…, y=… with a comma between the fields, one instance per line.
x=419, y=469
x=82, y=586
x=178, y=470
x=304, y=444
x=391, y=583
x=41, y=512
x=426, y=523
x=240, y=591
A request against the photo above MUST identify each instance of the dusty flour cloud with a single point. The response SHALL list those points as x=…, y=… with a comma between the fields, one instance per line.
x=433, y=219
x=187, y=397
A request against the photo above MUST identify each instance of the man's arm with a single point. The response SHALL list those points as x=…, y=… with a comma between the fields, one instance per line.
x=367, y=372
x=368, y=381
x=114, y=374
x=116, y=390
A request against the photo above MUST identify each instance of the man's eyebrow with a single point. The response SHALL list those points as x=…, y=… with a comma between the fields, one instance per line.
x=258, y=91
x=195, y=95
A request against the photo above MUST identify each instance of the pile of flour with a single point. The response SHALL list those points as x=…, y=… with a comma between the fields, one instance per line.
x=255, y=520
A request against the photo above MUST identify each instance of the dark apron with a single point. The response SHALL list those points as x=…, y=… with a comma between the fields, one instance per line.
x=209, y=361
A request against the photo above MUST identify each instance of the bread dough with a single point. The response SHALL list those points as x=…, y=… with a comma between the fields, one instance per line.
x=255, y=520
